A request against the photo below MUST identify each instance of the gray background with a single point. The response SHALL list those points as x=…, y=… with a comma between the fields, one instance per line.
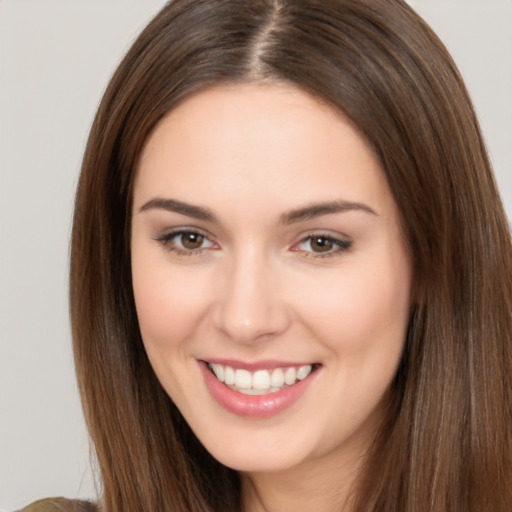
x=55, y=59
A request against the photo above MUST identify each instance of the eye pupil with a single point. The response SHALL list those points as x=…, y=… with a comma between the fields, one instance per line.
x=321, y=244
x=192, y=240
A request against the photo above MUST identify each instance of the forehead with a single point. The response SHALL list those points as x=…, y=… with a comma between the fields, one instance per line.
x=244, y=141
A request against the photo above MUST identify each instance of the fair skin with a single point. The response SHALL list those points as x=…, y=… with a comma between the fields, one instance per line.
x=265, y=240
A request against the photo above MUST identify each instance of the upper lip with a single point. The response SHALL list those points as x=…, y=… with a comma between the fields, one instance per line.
x=267, y=364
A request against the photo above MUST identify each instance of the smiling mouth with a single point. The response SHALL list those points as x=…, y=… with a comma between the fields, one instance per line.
x=260, y=382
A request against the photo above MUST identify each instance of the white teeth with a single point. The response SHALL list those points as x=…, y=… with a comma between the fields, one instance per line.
x=277, y=379
x=243, y=379
x=304, y=371
x=261, y=381
x=229, y=376
x=218, y=369
x=258, y=391
x=290, y=376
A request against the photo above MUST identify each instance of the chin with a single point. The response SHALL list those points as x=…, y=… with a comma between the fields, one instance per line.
x=253, y=463
x=267, y=450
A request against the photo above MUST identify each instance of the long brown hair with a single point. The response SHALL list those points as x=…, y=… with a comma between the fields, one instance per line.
x=446, y=442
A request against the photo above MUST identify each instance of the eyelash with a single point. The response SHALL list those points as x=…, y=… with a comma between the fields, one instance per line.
x=168, y=241
x=338, y=246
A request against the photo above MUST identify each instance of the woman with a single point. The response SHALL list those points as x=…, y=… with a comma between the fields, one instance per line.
x=290, y=268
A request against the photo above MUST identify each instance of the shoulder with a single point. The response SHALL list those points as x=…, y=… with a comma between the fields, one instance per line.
x=61, y=505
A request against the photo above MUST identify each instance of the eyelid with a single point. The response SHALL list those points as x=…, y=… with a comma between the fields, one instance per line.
x=165, y=237
x=169, y=233
x=341, y=245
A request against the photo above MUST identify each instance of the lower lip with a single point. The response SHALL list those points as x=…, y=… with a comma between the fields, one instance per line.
x=254, y=406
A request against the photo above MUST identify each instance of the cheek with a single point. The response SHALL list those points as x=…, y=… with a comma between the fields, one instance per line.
x=362, y=308
x=170, y=301
x=361, y=317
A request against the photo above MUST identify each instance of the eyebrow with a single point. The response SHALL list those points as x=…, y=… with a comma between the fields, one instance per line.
x=172, y=205
x=298, y=215
x=317, y=210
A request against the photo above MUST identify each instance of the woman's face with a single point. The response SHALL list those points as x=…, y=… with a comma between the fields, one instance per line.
x=270, y=274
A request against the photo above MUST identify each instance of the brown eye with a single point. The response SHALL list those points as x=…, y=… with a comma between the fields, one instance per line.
x=185, y=242
x=321, y=244
x=191, y=241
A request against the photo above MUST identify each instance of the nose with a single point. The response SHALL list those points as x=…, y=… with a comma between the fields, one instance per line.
x=251, y=306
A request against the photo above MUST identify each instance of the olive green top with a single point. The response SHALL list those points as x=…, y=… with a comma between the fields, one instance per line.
x=61, y=505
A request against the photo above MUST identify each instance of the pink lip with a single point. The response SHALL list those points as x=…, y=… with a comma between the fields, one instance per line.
x=253, y=366
x=254, y=406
